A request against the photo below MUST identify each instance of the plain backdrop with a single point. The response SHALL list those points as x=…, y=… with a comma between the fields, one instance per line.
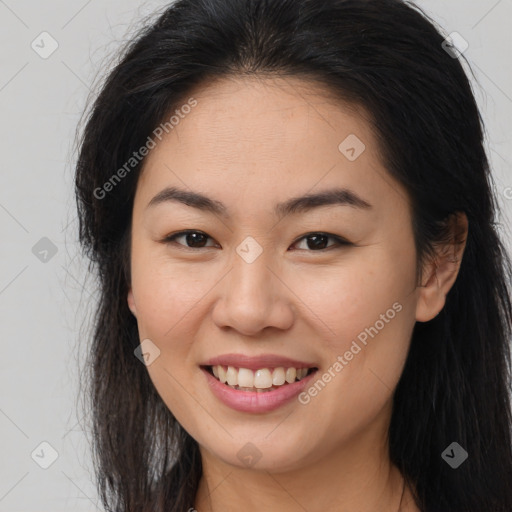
x=45, y=294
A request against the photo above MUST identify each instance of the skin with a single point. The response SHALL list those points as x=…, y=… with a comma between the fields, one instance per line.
x=251, y=143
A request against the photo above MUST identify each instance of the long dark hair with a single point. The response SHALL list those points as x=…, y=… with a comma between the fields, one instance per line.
x=389, y=57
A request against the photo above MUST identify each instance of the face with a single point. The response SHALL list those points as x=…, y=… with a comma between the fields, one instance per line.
x=266, y=282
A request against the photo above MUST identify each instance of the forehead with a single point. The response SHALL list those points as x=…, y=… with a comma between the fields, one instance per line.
x=268, y=113
x=268, y=139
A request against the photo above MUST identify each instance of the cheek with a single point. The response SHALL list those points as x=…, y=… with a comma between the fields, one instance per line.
x=168, y=302
x=343, y=301
x=369, y=309
x=167, y=295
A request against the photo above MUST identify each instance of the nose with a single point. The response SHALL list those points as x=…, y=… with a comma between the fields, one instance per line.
x=253, y=296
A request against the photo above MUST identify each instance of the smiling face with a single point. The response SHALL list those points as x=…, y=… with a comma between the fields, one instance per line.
x=308, y=281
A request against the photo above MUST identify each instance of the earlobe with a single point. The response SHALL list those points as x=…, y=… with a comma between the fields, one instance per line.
x=442, y=272
x=131, y=303
x=431, y=297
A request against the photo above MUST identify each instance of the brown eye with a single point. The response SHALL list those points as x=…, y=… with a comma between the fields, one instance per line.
x=319, y=241
x=315, y=242
x=193, y=239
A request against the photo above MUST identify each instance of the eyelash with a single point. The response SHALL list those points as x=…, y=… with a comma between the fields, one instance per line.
x=340, y=241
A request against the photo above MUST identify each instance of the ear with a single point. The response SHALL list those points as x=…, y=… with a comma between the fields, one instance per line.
x=440, y=275
x=131, y=303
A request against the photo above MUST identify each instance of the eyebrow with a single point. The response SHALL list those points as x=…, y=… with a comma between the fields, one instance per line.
x=301, y=204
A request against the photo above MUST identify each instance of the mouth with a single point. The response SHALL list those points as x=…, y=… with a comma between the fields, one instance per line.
x=260, y=380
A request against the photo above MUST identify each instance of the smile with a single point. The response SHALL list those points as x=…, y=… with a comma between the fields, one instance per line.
x=256, y=391
x=260, y=380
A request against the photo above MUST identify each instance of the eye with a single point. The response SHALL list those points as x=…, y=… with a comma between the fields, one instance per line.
x=317, y=241
x=197, y=240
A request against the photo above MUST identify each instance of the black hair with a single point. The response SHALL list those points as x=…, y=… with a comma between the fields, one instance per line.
x=389, y=57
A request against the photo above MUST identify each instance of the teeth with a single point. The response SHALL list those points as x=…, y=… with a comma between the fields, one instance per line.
x=261, y=380
x=222, y=374
x=232, y=376
x=291, y=373
x=246, y=378
x=278, y=376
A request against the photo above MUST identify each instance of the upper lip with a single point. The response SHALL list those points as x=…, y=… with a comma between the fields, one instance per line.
x=257, y=362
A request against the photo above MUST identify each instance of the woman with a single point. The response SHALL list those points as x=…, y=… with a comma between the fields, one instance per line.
x=304, y=299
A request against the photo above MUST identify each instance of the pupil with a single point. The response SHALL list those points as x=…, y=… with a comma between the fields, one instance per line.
x=192, y=239
x=316, y=244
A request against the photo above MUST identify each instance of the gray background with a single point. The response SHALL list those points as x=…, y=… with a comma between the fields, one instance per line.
x=45, y=297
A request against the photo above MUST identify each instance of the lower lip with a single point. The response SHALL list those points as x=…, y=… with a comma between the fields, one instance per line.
x=254, y=401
